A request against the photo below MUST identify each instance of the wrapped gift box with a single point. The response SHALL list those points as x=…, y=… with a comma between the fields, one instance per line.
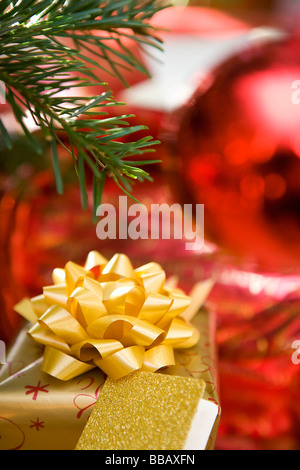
x=38, y=410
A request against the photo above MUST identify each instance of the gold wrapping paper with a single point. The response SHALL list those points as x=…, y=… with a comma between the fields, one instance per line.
x=143, y=411
x=38, y=411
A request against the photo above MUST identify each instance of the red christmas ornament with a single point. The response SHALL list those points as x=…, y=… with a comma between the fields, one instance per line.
x=236, y=149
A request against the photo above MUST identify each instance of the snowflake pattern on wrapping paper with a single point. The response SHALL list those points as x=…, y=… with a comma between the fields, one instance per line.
x=35, y=389
x=37, y=424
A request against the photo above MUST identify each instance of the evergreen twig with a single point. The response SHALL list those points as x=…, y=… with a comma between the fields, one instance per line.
x=38, y=68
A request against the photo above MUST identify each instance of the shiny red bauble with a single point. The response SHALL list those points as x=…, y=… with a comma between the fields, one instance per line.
x=236, y=149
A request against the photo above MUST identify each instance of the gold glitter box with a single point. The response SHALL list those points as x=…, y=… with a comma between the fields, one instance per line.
x=146, y=411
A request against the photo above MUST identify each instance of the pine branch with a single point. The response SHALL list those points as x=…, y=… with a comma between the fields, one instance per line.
x=39, y=71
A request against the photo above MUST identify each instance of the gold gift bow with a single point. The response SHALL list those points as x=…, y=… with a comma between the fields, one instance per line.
x=108, y=315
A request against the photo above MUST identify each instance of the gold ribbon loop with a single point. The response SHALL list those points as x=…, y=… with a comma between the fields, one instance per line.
x=178, y=331
x=73, y=272
x=85, y=306
x=56, y=294
x=91, y=349
x=143, y=333
x=153, y=282
x=119, y=264
x=158, y=357
x=39, y=305
x=109, y=286
x=91, y=285
x=63, y=366
x=45, y=336
x=155, y=307
x=94, y=258
x=63, y=324
x=179, y=305
x=107, y=314
x=190, y=342
x=123, y=362
x=59, y=276
x=148, y=268
x=125, y=300
x=110, y=326
x=25, y=308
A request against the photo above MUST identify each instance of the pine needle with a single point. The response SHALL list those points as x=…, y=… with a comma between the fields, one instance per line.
x=39, y=70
